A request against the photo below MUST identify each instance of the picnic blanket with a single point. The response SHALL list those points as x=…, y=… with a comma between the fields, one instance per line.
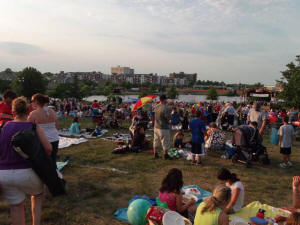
x=66, y=133
x=251, y=209
x=65, y=142
x=121, y=214
x=121, y=137
x=61, y=165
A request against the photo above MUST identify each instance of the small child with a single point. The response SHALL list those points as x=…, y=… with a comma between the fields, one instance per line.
x=74, y=129
x=170, y=192
x=178, y=140
x=286, y=133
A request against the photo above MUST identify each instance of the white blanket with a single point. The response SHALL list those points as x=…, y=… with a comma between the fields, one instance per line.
x=67, y=142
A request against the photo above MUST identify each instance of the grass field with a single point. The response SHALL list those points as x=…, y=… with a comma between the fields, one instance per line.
x=95, y=191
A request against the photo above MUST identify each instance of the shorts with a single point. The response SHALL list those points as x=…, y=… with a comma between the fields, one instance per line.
x=197, y=149
x=285, y=151
x=161, y=136
x=18, y=183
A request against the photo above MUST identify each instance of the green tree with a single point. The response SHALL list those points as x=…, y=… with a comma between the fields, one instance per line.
x=86, y=90
x=4, y=85
x=212, y=94
x=172, y=92
x=60, y=90
x=290, y=82
x=29, y=82
x=75, y=88
x=153, y=88
x=108, y=90
x=162, y=89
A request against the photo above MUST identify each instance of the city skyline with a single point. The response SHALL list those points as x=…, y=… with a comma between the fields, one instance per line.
x=226, y=40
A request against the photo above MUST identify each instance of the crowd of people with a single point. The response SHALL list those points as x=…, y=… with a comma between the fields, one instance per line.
x=205, y=121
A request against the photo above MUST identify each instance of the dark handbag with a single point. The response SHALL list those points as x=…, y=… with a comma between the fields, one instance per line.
x=28, y=145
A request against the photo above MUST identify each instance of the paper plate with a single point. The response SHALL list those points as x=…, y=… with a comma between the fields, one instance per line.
x=172, y=218
x=281, y=212
x=193, y=191
x=188, y=197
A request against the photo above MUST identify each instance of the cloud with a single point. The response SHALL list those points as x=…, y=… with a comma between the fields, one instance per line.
x=19, y=48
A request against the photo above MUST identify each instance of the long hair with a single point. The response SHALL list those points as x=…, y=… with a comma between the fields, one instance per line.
x=221, y=193
x=172, y=182
x=294, y=219
x=225, y=174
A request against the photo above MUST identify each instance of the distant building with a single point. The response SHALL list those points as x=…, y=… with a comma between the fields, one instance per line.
x=118, y=70
x=7, y=74
x=181, y=75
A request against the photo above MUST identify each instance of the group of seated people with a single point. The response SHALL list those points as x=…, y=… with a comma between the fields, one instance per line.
x=227, y=198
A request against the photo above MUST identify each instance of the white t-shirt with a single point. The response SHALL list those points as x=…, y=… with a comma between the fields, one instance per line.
x=240, y=200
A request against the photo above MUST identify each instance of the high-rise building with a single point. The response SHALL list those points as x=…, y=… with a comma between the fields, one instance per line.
x=118, y=70
x=181, y=75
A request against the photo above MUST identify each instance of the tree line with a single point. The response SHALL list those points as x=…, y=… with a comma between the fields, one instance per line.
x=30, y=81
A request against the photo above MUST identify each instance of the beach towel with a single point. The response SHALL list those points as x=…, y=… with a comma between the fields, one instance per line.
x=121, y=214
x=65, y=142
x=251, y=210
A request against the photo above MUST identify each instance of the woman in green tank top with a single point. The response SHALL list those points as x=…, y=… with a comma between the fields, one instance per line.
x=209, y=212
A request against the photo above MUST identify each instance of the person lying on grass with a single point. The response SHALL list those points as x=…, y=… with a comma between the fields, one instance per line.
x=237, y=190
x=170, y=192
x=210, y=211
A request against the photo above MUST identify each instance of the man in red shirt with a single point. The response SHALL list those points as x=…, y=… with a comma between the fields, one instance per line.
x=5, y=106
x=95, y=105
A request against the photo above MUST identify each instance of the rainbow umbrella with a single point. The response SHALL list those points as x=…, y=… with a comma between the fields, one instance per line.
x=143, y=101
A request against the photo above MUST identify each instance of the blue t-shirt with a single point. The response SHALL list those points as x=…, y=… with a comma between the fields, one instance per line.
x=197, y=127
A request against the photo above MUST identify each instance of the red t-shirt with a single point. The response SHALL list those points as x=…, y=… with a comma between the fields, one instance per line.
x=5, y=113
x=95, y=105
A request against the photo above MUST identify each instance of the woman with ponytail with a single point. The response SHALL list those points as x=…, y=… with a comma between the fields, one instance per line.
x=210, y=211
x=237, y=190
x=46, y=118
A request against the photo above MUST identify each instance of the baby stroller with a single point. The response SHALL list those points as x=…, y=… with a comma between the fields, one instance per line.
x=248, y=147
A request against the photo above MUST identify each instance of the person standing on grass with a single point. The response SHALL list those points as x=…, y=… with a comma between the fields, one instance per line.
x=286, y=133
x=256, y=114
x=17, y=178
x=197, y=128
x=5, y=106
x=46, y=118
x=162, y=127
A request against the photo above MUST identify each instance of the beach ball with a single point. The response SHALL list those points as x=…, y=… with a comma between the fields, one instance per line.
x=137, y=212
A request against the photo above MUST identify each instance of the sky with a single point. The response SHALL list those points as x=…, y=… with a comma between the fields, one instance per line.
x=245, y=41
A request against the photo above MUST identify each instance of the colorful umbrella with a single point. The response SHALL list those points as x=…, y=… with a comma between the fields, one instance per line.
x=142, y=101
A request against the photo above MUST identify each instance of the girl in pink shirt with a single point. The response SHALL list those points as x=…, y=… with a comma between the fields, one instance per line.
x=170, y=192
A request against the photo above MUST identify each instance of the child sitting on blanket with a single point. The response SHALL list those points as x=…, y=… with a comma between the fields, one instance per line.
x=237, y=190
x=170, y=192
x=178, y=140
x=74, y=129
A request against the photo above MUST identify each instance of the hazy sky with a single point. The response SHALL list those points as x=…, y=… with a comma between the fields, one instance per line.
x=225, y=40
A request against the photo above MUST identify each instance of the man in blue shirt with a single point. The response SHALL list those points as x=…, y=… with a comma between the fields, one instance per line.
x=197, y=128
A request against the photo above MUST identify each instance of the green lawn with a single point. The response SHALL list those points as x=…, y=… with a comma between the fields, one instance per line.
x=95, y=191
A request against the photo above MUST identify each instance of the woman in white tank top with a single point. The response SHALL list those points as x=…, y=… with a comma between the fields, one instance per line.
x=47, y=120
